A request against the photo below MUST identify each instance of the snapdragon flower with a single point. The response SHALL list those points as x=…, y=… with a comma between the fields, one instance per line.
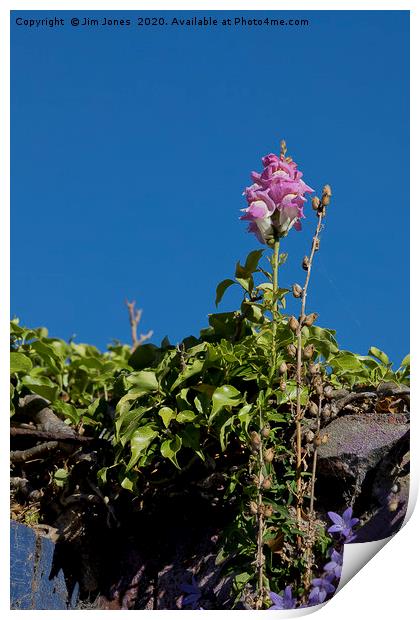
x=276, y=198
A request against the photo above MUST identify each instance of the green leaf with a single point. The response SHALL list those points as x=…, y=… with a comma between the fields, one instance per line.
x=245, y=417
x=224, y=396
x=140, y=441
x=224, y=431
x=170, y=448
x=144, y=356
x=222, y=288
x=185, y=416
x=167, y=414
x=253, y=258
x=60, y=477
x=19, y=362
x=42, y=386
x=380, y=355
x=192, y=369
x=127, y=484
x=143, y=380
x=406, y=361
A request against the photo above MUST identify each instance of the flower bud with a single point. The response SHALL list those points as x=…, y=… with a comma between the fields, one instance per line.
x=305, y=263
x=269, y=455
x=308, y=351
x=313, y=409
x=283, y=147
x=268, y=512
x=315, y=203
x=291, y=350
x=265, y=432
x=293, y=324
x=283, y=385
x=310, y=319
x=253, y=508
x=297, y=291
x=283, y=368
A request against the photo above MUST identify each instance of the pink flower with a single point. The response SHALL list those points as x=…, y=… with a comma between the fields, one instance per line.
x=276, y=199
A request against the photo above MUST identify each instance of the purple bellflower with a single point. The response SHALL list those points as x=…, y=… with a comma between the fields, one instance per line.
x=343, y=524
x=193, y=594
x=322, y=587
x=285, y=601
x=335, y=565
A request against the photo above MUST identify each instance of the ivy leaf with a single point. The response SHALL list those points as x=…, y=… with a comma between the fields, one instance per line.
x=42, y=386
x=380, y=355
x=140, y=441
x=185, y=416
x=144, y=356
x=170, y=448
x=252, y=260
x=406, y=361
x=143, y=380
x=19, y=362
x=167, y=414
x=222, y=288
x=224, y=396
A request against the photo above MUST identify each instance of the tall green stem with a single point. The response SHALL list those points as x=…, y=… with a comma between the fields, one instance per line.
x=275, y=306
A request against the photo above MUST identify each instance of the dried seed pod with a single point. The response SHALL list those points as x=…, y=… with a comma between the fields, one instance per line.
x=393, y=505
x=268, y=511
x=317, y=441
x=283, y=385
x=266, y=485
x=253, y=508
x=325, y=201
x=395, y=488
x=293, y=324
x=326, y=190
x=314, y=368
x=297, y=290
x=255, y=440
x=315, y=243
x=319, y=389
x=283, y=368
x=265, y=431
x=315, y=203
x=309, y=436
x=305, y=263
x=269, y=455
x=310, y=319
x=313, y=409
x=291, y=350
x=326, y=412
x=325, y=438
x=328, y=391
x=308, y=351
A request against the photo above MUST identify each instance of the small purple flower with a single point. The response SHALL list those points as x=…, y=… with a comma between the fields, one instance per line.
x=285, y=601
x=343, y=524
x=322, y=587
x=193, y=594
x=334, y=566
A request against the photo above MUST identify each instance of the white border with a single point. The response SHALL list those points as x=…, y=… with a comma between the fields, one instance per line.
x=384, y=587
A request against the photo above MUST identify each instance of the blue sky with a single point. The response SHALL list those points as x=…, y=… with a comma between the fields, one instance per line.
x=131, y=148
